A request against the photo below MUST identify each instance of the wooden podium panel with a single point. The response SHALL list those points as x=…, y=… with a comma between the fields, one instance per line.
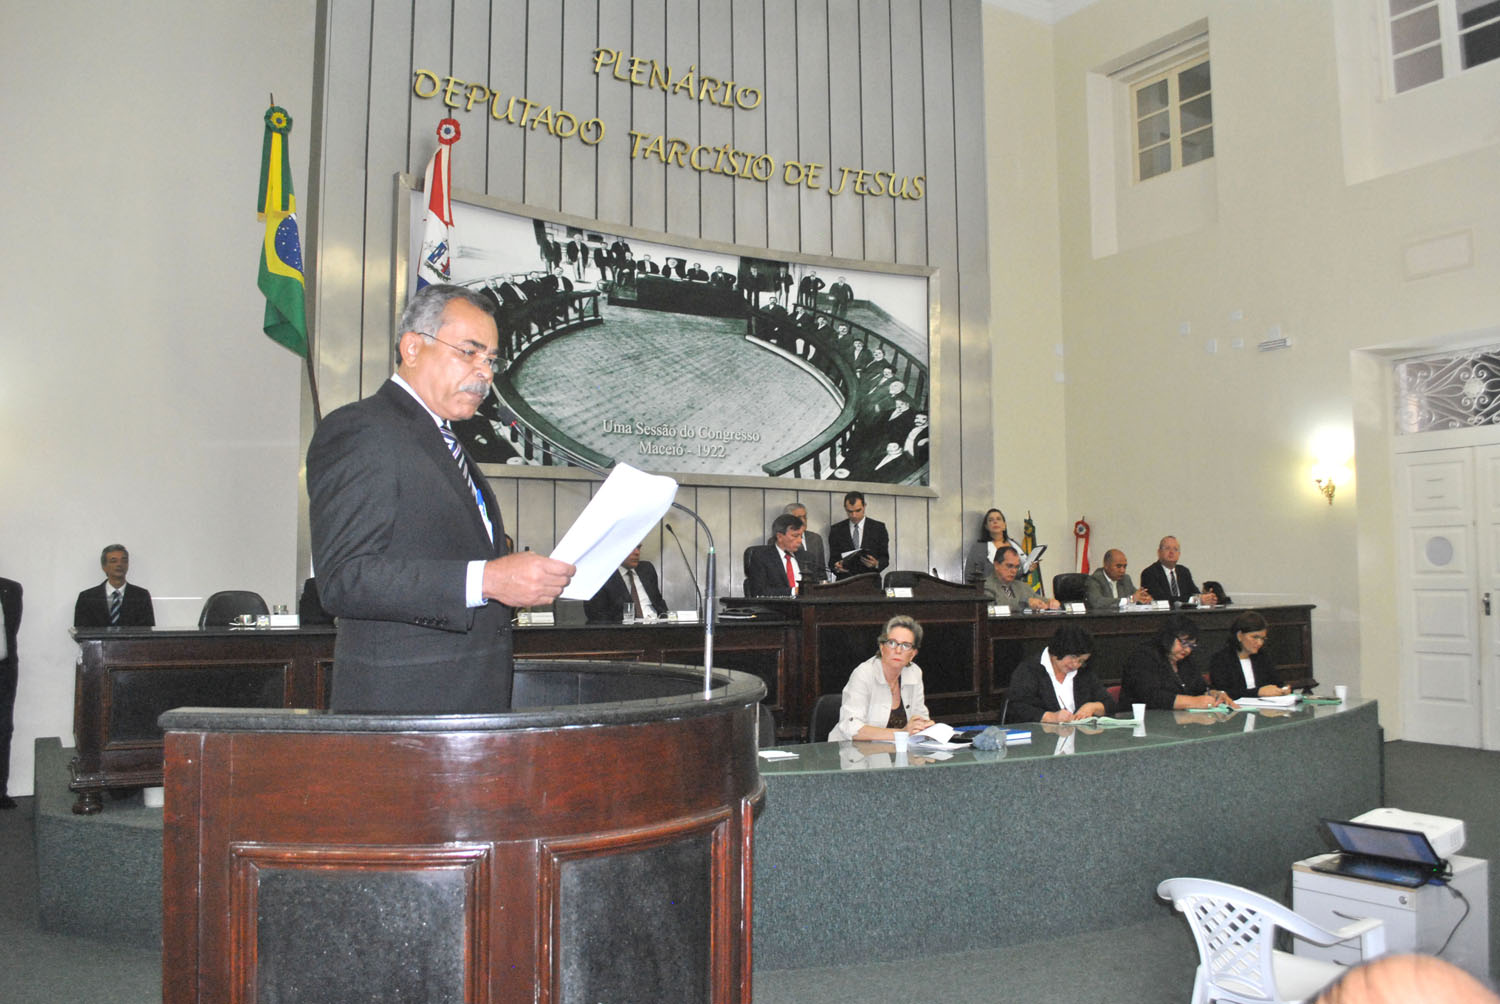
x=600, y=852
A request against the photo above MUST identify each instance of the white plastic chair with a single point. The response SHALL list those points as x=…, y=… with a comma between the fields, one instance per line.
x=1237, y=959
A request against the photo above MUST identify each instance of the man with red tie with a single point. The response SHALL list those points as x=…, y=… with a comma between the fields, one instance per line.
x=772, y=569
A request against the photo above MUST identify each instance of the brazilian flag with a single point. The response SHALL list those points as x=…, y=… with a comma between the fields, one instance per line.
x=281, y=257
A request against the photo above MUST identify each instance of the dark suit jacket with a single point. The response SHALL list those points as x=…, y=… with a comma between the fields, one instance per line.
x=10, y=602
x=92, y=608
x=394, y=527
x=1031, y=695
x=872, y=537
x=1154, y=581
x=609, y=604
x=1149, y=679
x=1225, y=674
x=765, y=572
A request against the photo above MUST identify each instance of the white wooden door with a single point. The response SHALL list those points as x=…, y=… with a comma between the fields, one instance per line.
x=1487, y=510
x=1439, y=596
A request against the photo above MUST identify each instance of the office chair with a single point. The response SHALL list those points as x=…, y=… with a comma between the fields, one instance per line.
x=1236, y=934
x=825, y=715
x=1069, y=587
x=224, y=606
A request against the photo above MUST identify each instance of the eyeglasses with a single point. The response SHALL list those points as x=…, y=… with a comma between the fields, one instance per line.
x=899, y=646
x=491, y=360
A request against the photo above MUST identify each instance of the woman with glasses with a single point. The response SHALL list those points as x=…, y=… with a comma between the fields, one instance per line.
x=884, y=693
x=1161, y=673
x=1241, y=668
x=1058, y=686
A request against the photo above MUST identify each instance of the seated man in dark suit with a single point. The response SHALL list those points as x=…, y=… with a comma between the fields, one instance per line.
x=1109, y=584
x=1057, y=686
x=113, y=603
x=812, y=560
x=1167, y=580
x=857, y=534
x=1007, y=587
x=634, y=588
x=773, y=569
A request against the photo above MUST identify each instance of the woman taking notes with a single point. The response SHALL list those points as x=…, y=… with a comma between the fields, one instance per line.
x=884, y=693
x=1240, y=668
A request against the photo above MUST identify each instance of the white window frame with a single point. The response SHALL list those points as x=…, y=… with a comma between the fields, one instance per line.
x=1175, y=134
x=1177, y=56
x=1449, y=42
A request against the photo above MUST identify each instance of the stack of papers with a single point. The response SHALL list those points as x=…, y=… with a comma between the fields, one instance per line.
x=1103, y=721
x=1284, y=701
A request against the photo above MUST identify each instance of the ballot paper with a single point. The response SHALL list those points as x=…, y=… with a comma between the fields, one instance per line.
x=617, y=518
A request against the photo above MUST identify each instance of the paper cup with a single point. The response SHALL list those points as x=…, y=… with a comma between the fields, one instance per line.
x=901, y=739
x=1139, y=711
x=1341, y=692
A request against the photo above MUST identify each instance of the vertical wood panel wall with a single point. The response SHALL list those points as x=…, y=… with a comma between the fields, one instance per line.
x=885, y=84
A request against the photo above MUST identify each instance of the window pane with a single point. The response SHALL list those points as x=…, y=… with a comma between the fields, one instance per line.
x=1419, y=68
x=1194, y=80
x=1399, y=7
x=1197, y=113
x=1475, y=12
x=1415, y=30
x=1153, y=130
x=1154, y=162
x=1198, y=146
x=1481, y=45
x=1151, y=98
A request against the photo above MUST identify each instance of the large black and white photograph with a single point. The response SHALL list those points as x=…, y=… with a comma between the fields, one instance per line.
x=687, y=361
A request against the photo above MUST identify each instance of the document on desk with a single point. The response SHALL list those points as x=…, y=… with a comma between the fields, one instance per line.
x=1104, y=722
x=936, y=736
x=1280, y=701
x=617, y=518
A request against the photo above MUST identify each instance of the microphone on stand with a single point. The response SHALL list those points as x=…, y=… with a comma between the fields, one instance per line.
x=711, y=562
x=689, y=564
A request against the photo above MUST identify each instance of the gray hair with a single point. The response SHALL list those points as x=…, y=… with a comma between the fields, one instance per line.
x=424, y=312
x=790, y=509
x=903, y=621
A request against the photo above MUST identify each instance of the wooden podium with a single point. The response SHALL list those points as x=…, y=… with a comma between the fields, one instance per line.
x=594, y=844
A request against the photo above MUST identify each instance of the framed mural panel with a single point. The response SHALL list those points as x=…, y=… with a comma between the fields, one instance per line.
x=713, y=363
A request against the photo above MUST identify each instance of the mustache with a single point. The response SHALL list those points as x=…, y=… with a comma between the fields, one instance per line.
x=480, y=387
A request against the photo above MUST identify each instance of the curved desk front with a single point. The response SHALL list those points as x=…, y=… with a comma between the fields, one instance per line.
x=861, y=859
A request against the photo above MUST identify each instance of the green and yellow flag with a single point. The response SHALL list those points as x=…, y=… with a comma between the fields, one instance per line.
x=281, y=257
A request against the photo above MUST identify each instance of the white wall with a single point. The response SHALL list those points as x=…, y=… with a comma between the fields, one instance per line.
x=142, y=403
x=1164, y=436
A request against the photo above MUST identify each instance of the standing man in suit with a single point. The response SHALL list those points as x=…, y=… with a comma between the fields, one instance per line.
x=1167, y=580
x=113, y=603
x=857, y=533
x=772, y=569
x=10, y=623
x=1108, y=585
x=842, y=295
x=812, y=557
x=407, y=537
x=634, y=588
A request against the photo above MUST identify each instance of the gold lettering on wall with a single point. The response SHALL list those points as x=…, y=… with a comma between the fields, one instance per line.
x=725, y=160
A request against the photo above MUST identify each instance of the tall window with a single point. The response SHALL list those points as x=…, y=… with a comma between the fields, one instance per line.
x=1174, y=118
x=1433, y=39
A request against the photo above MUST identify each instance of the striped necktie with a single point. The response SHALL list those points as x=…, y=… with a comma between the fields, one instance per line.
x=457, y=450
x=116, y=600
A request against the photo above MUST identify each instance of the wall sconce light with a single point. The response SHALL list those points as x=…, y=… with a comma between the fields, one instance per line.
x=1332, y=467
x=1327, y=486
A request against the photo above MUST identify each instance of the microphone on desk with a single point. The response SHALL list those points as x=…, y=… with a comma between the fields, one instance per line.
x=708, y=601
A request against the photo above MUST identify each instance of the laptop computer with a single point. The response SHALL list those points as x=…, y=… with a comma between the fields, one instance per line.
x=1382, y=854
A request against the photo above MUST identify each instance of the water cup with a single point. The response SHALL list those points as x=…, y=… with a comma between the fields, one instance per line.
x=901, y=740
x=1342, y=693
x=1139, y=711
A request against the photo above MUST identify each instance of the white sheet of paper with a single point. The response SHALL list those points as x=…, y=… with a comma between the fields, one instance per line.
x=617, y=518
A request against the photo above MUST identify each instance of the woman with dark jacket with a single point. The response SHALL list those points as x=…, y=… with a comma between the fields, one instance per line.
x=1161, y=673
x=1057, y=686
x=1241, y=668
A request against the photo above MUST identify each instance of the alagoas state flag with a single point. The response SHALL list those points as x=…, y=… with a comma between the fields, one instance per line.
x=435, y=264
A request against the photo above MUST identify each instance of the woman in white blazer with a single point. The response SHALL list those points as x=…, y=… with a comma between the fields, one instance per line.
x=884, y=693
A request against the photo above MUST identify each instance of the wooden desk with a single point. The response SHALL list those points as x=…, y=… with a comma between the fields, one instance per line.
x=126, y=677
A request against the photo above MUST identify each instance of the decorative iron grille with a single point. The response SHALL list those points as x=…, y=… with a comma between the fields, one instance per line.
x=1451, y=391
